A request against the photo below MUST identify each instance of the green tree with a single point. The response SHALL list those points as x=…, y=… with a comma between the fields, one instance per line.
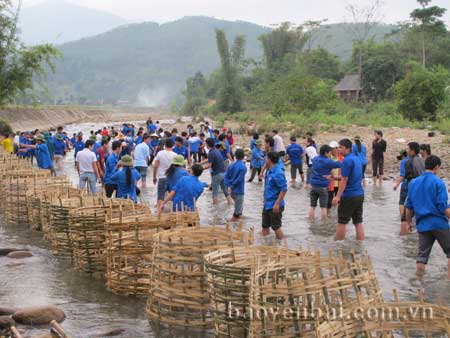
x=229, y=94
x=421, y=92
x=195, y=94
x=321, y=63
x=19, y=65
x=427, y=23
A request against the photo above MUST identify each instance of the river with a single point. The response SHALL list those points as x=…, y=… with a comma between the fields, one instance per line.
x=90, y=308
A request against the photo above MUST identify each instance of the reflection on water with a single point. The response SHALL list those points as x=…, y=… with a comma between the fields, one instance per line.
x=91, y=309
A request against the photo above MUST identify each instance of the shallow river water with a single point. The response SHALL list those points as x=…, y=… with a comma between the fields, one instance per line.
x=90, y=308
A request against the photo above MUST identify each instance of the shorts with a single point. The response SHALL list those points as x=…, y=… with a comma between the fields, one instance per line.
x=143, y=172
x=378, y=167
x=321, y=194
x=217, y=183
x=403, y=196
x=426, y=241
x=271, y=219
x=294, y=168
x=308, y=175
x=162, y=187
x=238, y=205
x=109, y=189
x=332, y=194
x=351, y=208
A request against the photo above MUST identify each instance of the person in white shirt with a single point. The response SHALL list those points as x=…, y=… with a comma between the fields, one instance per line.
x=311, y=152
x=278, y=145
x=163, y=161
x=142, y=157
x=87, y=167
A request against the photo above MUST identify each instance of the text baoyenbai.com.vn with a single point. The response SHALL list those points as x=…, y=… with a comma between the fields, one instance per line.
x=368, y=313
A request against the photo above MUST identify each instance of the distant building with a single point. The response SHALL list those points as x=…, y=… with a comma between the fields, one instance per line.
x=349, y=88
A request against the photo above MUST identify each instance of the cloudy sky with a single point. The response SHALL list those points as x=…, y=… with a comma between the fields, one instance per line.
x=265, y=12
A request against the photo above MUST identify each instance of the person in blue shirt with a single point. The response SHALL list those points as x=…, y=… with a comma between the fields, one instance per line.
x=139, y=137
x=154, y=147
x=256, y=161
x=322, y=166
x=428, y=199
x=43, y=158
x=179, y=148
x=78, y=145
x=253, y=140
x=225, y=149
x=73, y=139
x=151, y=127
x=195, y=142
x=141, y=157
x=186, y=192
x=24, y=145
x=209, y=129
x=175, y=172
x=350, y=196
x=60, y=151
x=235, y=182
x=126, y=179
x=111, y=168
x=275, y=190
x=360, y=151
x=294, y=153
x=401, y=181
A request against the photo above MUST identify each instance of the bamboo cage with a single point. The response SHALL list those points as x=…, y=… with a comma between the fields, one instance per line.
x=129, y=247
x=15, y=186
x=179, y=288
x=229, y=272
x=34, y=197
x=61, y=212
x=308, y=292
x=88, y=231
x=390, y=319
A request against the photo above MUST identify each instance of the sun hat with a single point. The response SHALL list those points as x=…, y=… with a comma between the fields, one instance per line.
x=357, y=138
x=154, y=135
x=334, y=144
x=258, y=142
x=93, y=138
x=222, y=145
x=127, y=161
x=179, y=160
x=59, y=137
x=39, y=138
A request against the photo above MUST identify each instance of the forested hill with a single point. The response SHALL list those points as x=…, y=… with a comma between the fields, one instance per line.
x=148, y=63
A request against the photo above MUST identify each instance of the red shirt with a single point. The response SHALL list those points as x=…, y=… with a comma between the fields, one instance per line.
x=105, y=132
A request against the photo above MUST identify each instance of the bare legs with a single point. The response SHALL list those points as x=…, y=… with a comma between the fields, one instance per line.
x=340, y=232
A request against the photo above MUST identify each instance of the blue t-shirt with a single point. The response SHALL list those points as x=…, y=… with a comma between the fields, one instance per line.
x=216, y=160
x=60, y=146
x=295, y=153
x=25, y=153
x=252, y=144
x=139, y=140
x=97, y=145
x=172, y=181
x=181, y=151
x=141, y=154
x=43, y=158
x=321, y=167
x=78, y=146
x=110, y=168
x=235, y=177
x=362, y=155
x=187, y=191
x=402, y=171
x=152, y=128
x=195, y=144
x=257, y=159
x=352, y=168
x=428, y=197
x=123, y=189
x=275, y=184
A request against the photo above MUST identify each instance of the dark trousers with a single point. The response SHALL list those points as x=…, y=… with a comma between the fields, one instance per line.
x=254, y=172
x=109, y=189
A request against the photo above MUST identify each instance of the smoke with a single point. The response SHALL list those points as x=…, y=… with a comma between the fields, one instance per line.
x=154, y=97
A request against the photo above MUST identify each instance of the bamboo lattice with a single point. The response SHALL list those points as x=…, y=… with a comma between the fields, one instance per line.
x=179, y=287
x=129, y=249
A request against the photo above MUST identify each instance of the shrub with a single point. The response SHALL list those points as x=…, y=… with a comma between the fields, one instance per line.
x=5, y=128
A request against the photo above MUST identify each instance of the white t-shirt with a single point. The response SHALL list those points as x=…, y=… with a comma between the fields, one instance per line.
x=311, y=152
x=278, y=144
x=86, y=159
x=165, y=159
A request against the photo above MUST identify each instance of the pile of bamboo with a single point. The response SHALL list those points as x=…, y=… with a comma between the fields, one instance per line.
x=408, y=319
x=179, y=286
x=129, y=248
x=88, y=231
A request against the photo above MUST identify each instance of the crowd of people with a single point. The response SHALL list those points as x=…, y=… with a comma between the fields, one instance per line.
x=119, y=160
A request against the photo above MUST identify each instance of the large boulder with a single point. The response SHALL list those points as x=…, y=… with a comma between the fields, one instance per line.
x=6, y=322
x=39, y=315
x=6, y=251
x=19, y=254
x=7, y=311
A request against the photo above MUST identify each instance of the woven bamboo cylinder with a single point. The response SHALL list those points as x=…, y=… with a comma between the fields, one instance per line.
x=61, y=216
x=305, y=294
x=88, y=231
x=406, y=319
x=34, y=197
x=229, y=272
x=129, y=249
x=15, y=187
x=179, y=287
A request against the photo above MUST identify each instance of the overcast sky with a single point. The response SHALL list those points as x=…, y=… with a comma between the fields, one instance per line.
x=264, y=12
